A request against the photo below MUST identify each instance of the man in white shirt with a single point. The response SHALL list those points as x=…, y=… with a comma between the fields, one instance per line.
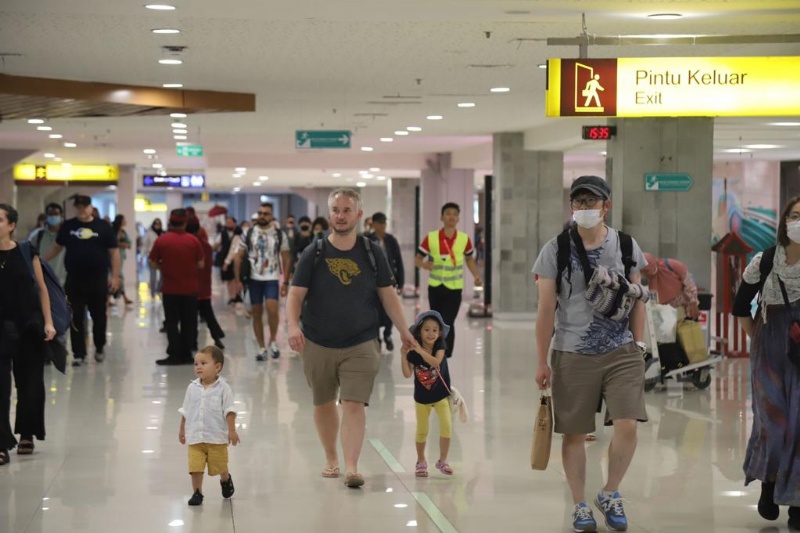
x=266, y=250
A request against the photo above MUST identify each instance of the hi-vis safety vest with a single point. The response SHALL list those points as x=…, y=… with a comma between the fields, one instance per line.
x=446, y=271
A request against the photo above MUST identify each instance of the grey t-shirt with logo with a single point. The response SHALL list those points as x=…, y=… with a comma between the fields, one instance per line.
x=578, y=328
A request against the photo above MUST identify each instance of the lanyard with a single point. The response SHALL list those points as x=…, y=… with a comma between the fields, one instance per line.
x=450, y=251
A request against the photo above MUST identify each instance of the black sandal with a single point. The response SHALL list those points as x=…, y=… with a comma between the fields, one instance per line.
x=25, y=448
x=4, y=457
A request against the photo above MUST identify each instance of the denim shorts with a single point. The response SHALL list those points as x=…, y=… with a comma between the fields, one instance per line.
x=261, y=291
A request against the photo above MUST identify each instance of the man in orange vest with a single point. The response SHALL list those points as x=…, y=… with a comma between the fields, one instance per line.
x=443, y=253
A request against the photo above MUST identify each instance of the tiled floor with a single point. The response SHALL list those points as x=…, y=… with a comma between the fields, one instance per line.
x=112, y=461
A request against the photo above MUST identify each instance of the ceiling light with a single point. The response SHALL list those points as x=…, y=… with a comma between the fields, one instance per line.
x=179, y=125
x=499, y=89
x=434, y=117
x=182, y=144
x=240, y=169
x=180, y=137
x=466, y=104
x=237, y=175
x=762, y=146
x=70, y=145
x=148, y=451
x=263, y=178
x=381, y=178
x=401, y=505
x=160, y=7
x=148, y=151
x=665, y=16
x=35, y=121
x=367, y=176
x=161, y=172
x=414, y=128
x=158, y=165
x=237, y=189
x=176, y=523
x=386, y=139
x=401, y=133
x=180, y=131
x=737, y=151
x=256, y=183
x=361, y=184
x=55, y=136
x=787, y=124
x=170, y=61
x=366, y=148
x=58, y=159
x=44, y=128
x=172, y=85
x=374, y=169
x=48, y=155
x=337, y=174
x=411, y=523
x=166, y=31
x=177, y=115
x=66, y=165
x=542, y=65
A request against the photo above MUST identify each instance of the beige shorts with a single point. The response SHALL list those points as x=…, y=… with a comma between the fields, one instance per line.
x=351, y=371
x=214, y=455
x=580, y=382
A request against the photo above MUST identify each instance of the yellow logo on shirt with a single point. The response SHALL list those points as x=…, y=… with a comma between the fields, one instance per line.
x=344, y=269
x=84, y=234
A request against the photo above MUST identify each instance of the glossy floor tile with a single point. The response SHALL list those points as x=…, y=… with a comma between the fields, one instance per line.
x=112, y=461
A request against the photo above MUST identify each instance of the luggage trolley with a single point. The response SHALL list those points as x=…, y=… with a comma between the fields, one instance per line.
x=698, y=373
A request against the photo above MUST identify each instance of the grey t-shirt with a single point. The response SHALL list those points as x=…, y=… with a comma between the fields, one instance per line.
x=341, y=307
x=578, y=328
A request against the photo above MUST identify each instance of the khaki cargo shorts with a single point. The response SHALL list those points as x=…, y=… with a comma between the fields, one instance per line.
x=350, y=370
x=580, y=382
x=213, y=455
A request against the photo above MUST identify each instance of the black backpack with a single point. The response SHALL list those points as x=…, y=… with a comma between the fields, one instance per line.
x=564, y=253
x=244, y=270
x=319, y=249
x=59, y=306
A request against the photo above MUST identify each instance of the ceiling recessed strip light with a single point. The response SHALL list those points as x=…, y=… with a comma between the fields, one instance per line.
x=158, y=165
x=381, y=178
x=160, y=7
x=165, y=31
x=170, y=61
x=70, y=145
x=263, y=178
x=401, y=133
x=256, y=183
x=737, y=151
x=387, y=139
x=55, y=136
x=179, y=137
x=434, y=117
x=542, y=65
x=44, y=128
x=180, y=132
x=782, y=124
x=49, y=155
x=240, y=169
x=374, y=169
x=466, y=104
x=172, y=85
x=414, y=128
x=762, y=146
x=179, y=125
x=361, y=184
x=177, y=115
x=500, y=89
x=366, y=148
x=148, y=151
x=665, y=16
x=35, y=121
x=337, y=174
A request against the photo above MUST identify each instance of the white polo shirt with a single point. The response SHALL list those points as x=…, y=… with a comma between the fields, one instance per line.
x=205, y=410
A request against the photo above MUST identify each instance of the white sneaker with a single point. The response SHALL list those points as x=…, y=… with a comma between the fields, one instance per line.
x=274, y=352
x=261, y=355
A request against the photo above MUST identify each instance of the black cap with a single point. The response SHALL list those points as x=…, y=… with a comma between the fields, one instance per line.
x=81, y=199
x=593, y=184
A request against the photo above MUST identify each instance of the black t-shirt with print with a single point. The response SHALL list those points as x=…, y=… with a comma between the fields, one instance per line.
x=428, y=386
x=87, y=245
x=341, y=307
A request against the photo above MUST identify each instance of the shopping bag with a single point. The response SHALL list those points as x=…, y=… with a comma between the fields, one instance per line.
x=690, y=335
x=542, y=433
x=665, y=319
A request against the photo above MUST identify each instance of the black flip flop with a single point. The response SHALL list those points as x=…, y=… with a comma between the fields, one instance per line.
x=5, y=458
x=25, y=448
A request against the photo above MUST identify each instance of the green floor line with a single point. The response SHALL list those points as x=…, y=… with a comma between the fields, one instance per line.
x=436, y=515
x=387, y=456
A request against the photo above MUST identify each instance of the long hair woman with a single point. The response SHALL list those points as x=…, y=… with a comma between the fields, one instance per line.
x=25, y=324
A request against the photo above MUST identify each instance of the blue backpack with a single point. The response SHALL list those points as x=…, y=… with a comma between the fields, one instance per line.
x=59, y=306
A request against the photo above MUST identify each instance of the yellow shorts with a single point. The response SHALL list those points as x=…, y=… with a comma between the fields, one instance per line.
x=214, y=455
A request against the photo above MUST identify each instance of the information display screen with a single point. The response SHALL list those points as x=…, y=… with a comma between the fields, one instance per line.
x=183, y=181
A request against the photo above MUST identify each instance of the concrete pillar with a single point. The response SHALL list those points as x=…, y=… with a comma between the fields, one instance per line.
x=528, y=212
x=402, y=220
x=9, y=158
x=666, y=224
x=126, y=193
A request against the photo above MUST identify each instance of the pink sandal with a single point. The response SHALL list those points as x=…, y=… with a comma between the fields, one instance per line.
x=444, y=468
x=421, y=469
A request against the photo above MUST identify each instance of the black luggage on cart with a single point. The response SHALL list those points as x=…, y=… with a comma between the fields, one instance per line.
x=672, y=356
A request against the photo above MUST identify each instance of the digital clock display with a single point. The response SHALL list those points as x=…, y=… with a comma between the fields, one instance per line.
x=598, y=133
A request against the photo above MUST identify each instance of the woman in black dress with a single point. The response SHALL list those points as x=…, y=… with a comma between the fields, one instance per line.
x=25, y=324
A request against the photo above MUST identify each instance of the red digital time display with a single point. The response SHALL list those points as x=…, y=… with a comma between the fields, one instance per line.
x=598, y=133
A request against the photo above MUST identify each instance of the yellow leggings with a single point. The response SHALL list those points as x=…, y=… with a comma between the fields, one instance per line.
x=442, y=408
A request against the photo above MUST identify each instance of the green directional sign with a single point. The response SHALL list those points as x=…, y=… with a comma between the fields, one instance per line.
x=667, y=182
x=307, y=139
x=192, y=150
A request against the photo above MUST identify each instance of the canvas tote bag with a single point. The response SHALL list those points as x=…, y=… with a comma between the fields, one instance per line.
x=542, y=433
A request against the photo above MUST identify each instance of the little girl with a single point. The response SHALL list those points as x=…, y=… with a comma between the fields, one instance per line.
x=426, y=361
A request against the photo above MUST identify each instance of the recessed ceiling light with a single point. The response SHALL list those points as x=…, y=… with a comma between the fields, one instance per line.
x=48, y=155
x=361, y=184
x=337, y=174
x=737, y=150
x=170, y=61
x=55, y=136
x=263, y=178
x=179, y=125
x=542, y=65
x=499, y=89
x=149, y=151
x=160, y=7
x=401, y=505
x=180, y=132
x=374, y=169
x=237, y=175
x=35, y=121
x=466, y=104
x=785, y=124
x=166, y=30
x=366, y=148
x=434, y=117
x=665, y=16
x=762, y=146
x=66, y=165
x=182, y=143
x=70, y=145
x=44, y=128
x=381, y=178
x=180, y=137
x=414, y=128
x=176, y=523
x=256, y=183
x=240, y=169
x=158, y=165
x=387, y=139
x=237, y=189
x=177, y=115
x=172, y=85
x=58, y=159
x=401, y=133
x=367, y=176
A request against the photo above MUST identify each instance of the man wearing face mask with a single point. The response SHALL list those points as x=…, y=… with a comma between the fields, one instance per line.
x=594, y=356
x=44, y=238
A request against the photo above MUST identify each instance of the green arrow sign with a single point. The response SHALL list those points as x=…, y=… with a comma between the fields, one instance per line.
x=667, y=182
x=192, y=150
x=306, y=139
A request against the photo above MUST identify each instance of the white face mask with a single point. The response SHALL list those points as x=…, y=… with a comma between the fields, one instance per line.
x=793, y=231
x=587, y=218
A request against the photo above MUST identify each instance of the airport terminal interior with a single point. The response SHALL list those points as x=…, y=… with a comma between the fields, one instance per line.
x=688, y=110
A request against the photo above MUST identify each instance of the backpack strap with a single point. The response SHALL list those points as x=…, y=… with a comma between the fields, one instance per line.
x=39, y=237
x=27, y=253
x=319, y=247
x=371, y=255
x=247, y=237
x=583, y=257
x=767, y=259
x=563, y=263
x=626, y=247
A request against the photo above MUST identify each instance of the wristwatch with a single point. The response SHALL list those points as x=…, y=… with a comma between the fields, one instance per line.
x=642, y=346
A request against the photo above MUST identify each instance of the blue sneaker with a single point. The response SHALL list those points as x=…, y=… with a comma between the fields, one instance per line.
x=612, y=511
x=582, y=519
